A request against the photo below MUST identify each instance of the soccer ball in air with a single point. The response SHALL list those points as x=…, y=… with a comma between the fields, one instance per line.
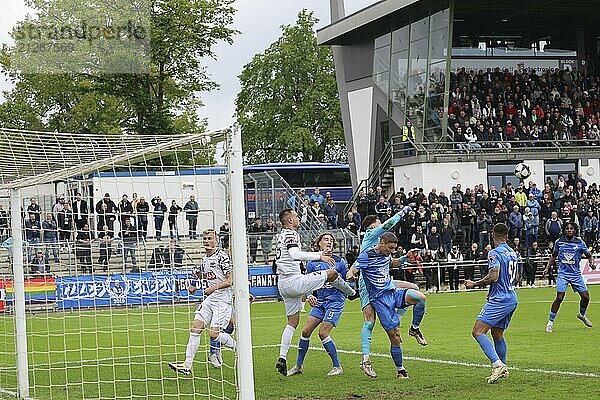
x=522, y=171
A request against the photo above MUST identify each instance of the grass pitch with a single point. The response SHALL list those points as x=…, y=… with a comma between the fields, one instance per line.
x=126, y=352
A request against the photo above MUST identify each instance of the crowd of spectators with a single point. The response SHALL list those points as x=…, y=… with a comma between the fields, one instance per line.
x=68, y=225
x=522, y=108
x=456, y=227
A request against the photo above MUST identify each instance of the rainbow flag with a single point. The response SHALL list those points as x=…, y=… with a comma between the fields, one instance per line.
x=37, y=290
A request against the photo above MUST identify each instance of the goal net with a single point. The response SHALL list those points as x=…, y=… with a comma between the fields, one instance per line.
x=101, y=252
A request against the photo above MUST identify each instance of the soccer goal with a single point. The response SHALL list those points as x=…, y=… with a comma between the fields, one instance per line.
x=100, y=265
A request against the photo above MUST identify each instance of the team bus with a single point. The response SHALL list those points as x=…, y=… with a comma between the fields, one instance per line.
x=328, y=177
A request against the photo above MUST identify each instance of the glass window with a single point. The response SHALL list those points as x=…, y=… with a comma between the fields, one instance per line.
x=382, y=81
x=400, y=39
x=435, y=91
x=383, y=40
x=416, y=99
x=418, y=56
x=502, y=168
x=561, y=167
x=419, y=29
x=381, y=62
x=438, y=46
x=440, y=20
x=398, y=78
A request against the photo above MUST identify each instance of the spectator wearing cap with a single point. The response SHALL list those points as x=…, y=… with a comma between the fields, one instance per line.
x=295, y=201
x=317, y=197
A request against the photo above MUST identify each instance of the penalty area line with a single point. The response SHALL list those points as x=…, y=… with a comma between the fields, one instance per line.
x=450, y=362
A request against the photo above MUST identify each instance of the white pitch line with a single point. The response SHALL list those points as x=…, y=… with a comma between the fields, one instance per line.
x=450, y=362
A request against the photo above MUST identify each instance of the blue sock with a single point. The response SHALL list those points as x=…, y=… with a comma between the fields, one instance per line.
x=331, y=350
x=418, y=314
x=401, y=312
x=397, y=356
x=229, y=329
x=488, y=348
x=302, y=349
x=501, y=349
x=552, y=316
x=582, y=310
x=214, y=347
x=365, y=336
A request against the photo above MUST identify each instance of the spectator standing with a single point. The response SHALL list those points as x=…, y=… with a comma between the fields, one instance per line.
x=362, y=203
x=80, y=211
x=191, y=209
x=32, y=235
x=34, y=208
x=515, y=223
x=266, y=240
x=553, y=227
x=317, y=196
x=129, y=236
x=125, y=210
x=254, y=231
x=50, y=237
x=64, y=224
x=142, y=209
x=531, y=225
x=160, y=209
x=174, y=210
x=83, y=248
x=484, y=228
x=454, y=259
x=58, y=206
x=331, y=213
x=111, y=208
x=106, y=238
x=106, y=218
x=534, y=255
x=157, y=259
x=590, y=228
x=224, y=235
x=381, y=209
x=446, y=235
x=473, y=255
x=3, y=224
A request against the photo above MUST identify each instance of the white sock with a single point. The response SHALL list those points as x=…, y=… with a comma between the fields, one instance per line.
x=365, y=357
x=226, y=340
x=286, y=340
x=303, y=304
x=192, y=348
x=497, y=364
x=341, y=284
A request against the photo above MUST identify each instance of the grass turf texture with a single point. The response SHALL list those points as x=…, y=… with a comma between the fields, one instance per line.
x=133, y=347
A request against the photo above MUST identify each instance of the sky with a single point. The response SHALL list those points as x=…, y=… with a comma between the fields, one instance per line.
x=259, y=22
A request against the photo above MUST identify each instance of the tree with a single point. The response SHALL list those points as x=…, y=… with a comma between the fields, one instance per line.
x=161, y=99
x=288, y=106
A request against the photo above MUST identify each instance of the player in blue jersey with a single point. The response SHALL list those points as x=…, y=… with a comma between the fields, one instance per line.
x=501, y=302
x=327, y=308
x=385, y=297
x=373, y=231
x=568, y=250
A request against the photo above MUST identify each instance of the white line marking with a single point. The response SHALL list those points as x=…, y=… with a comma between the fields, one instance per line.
x=449, y=362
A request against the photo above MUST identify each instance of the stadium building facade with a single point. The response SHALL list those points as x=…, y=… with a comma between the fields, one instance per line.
x=395, y=62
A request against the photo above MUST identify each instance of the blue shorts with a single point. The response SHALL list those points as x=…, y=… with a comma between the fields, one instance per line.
x=576, y=282
x=328, y=311
x=364, y=293
x=497, y=314
x=385, y=306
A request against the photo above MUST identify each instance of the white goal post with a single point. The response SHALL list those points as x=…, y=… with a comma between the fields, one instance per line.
x=107, y=328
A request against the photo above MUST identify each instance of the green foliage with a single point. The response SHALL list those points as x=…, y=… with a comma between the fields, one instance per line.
x=163, y=99
x=288, y=107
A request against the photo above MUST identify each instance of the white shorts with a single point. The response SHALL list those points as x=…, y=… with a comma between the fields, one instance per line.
x=292, y=289
x=214, y=313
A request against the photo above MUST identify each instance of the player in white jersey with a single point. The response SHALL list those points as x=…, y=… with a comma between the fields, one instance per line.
x=292, y=284
x=215, y=311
